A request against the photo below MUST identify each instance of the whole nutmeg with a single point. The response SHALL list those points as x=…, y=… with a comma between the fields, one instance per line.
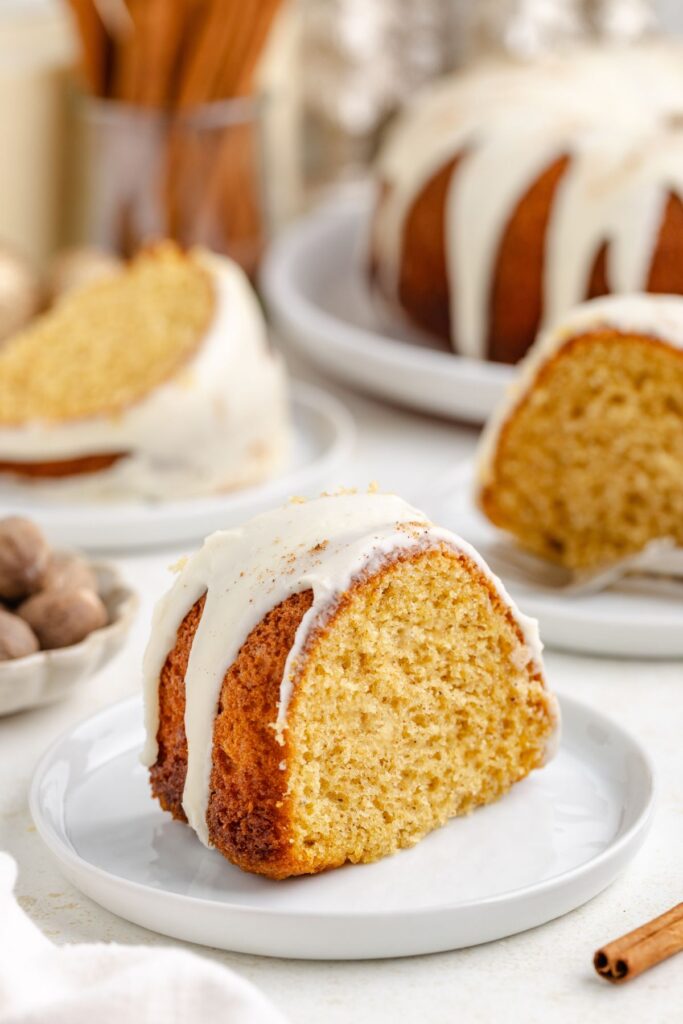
x=24, y=558
x=20, y=293
x=60, y=618
x=68, y=572
x=17, y=639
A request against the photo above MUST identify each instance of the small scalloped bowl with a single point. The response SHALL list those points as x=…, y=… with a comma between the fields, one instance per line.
x=48, y=676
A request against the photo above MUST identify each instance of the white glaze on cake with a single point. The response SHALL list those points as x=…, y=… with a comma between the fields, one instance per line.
x=616, y=113
x=323, y=545
x=658, y=317
x=220, y=423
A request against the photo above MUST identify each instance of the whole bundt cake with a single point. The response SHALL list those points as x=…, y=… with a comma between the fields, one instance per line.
x=335, y=679
x=583, y=464
x=155, y=381
x=511, y=192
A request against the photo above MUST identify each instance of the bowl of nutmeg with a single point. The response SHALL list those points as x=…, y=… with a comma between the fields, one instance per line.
x=61, y=617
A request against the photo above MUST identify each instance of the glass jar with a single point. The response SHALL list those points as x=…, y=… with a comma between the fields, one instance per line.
x=195, y=176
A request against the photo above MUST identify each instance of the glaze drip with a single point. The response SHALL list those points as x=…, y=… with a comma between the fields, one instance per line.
x=615, y=113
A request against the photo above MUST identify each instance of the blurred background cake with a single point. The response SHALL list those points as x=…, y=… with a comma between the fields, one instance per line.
x=583, y=463
x=515, y=190
x=154, y=380
x=523, y=156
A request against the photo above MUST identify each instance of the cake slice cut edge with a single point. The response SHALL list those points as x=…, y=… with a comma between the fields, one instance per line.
x=583, y=462
x=157, y=381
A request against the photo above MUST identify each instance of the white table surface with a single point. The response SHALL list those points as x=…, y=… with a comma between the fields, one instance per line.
x=544, y=975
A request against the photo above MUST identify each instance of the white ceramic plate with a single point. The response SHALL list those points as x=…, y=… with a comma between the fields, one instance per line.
x=558, y=838
x=316, y=294
x=48, y=676
x=618, y=622
x=323, y=439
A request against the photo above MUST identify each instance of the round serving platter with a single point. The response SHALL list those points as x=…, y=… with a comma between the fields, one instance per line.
x=556, y=840
x=323, y=437
x=622, y=622
x=317, y=295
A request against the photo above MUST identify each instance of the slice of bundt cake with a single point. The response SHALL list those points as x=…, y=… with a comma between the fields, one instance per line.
x=584, y=462
x=333, y=680
x=155, y=381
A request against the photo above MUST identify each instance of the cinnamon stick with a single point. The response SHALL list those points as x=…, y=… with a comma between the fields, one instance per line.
x=94, y=46
x=163, y=26
x=172, y=56
x=128, y=57
x=244, y=13
x=228, y=215
x=115, y=16
x=262, y=26
x=208, y=52
x=629, y=956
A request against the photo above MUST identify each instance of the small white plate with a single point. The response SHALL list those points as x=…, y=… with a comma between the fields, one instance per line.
x=49, y=676
x=556, y=840
x=323, y=438
x=316, y=295
x=617, y=622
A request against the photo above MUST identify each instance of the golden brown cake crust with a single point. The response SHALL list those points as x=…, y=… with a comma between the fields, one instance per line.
x=62, y=467
x=249, y=814
x=516, y=288
x=167, y=775
x=423, y=286
x=516, y=303
x=516, y=296
x=666, y=269
x=246, y=814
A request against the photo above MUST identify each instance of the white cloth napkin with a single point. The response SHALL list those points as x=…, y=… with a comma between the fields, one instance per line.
x=112, y=984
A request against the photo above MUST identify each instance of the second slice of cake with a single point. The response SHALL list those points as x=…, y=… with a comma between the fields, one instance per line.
x=583, y=464
x=157, y=381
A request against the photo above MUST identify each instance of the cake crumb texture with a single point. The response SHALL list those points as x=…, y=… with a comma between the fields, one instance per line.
x=589, y=466
x=413, y=706
x=106, y=345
